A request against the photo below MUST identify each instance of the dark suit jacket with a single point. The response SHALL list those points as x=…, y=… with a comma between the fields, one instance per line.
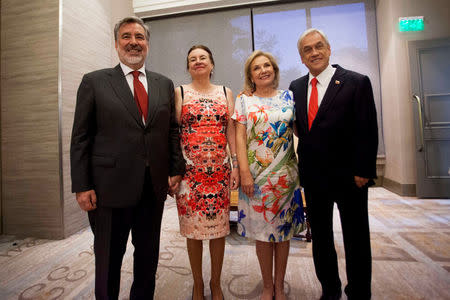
x=343, y=139
x=111, y=146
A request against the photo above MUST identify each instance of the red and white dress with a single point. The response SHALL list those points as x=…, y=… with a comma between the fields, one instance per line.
x=204, y=199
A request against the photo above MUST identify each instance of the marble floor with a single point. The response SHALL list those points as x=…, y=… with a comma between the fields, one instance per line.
x=410, y=246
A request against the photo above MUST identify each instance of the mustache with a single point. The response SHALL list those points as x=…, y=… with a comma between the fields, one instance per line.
x=133, y=47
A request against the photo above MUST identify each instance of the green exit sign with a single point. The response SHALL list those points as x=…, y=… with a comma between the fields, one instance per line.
x=411, y=24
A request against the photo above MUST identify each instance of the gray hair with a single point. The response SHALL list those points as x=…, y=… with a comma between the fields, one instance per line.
x=129, y=20
x=309, y=31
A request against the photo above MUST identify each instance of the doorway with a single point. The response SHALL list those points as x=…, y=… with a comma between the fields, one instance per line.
x=430, y=83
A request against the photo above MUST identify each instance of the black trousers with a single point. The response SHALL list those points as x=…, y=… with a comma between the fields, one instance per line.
x=111, y=227
x=352, y=204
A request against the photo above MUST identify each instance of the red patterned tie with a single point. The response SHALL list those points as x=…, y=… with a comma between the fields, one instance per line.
x=140, y=95
x=313, y=103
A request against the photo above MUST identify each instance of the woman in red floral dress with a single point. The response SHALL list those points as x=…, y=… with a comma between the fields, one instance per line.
x=203, y=201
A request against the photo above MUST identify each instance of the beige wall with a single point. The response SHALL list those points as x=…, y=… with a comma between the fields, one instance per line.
x=1, y=223
x=86, y=33
x=46, y=46
x=400, y=170
x=87, y=38
x=119, y=10
x=29, y=118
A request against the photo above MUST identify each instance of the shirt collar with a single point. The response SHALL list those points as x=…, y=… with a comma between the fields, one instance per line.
x=127, y=70
x=324, y=76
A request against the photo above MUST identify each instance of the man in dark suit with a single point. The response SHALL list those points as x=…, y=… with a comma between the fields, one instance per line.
x=338, y=140
x=124, y=147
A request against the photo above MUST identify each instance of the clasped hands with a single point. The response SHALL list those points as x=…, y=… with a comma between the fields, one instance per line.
x=88, y=199
x=247, y=183
x=174, y=184
x=361, y=181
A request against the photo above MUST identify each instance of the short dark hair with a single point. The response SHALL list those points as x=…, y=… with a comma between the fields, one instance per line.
x=129, y=20
x=203, y=47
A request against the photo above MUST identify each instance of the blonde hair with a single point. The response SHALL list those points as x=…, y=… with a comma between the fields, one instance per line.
x=248, y=84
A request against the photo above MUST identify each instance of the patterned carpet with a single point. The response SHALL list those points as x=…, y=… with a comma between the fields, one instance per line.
x=410, y=245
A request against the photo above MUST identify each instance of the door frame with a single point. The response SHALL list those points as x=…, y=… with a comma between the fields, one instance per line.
x=426, y=186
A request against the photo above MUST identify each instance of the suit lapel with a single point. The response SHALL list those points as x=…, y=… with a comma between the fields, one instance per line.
x=123, y=92
x=153, y=96
x=333, y=87
x=303, y=103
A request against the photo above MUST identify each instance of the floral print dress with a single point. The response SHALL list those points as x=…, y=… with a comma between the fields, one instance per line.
x=275, y=212
x=203, y=202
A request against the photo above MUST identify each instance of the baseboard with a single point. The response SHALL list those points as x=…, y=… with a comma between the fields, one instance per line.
x=378, y=181
x=398, y=188
x=381, y=164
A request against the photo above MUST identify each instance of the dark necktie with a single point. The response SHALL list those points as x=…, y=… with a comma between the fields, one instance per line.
x=140, y=95
x=313, y=102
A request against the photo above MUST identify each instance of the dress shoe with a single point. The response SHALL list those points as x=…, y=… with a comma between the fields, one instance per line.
x=332, y=296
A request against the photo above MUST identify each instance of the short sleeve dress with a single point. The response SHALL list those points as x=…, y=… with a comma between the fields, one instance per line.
x=203, y=202
x=275, y=212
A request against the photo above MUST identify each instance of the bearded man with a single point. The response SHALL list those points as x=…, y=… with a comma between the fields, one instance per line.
x=124, y=153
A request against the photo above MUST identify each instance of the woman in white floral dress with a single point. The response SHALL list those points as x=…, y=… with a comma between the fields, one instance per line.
x=270, y=206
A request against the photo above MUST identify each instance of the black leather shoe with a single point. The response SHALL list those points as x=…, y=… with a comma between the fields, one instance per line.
x=333, y=296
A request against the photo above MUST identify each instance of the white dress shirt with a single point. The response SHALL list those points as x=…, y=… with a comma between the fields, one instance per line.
x=129, y=76
x=323, y=80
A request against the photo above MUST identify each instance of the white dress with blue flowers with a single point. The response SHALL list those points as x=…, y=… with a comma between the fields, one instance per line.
x=275, y=212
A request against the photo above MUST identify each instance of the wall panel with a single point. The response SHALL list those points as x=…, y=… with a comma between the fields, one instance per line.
x=46, y=47
x=397, y=106
x=87, y=31
x=29, y=118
